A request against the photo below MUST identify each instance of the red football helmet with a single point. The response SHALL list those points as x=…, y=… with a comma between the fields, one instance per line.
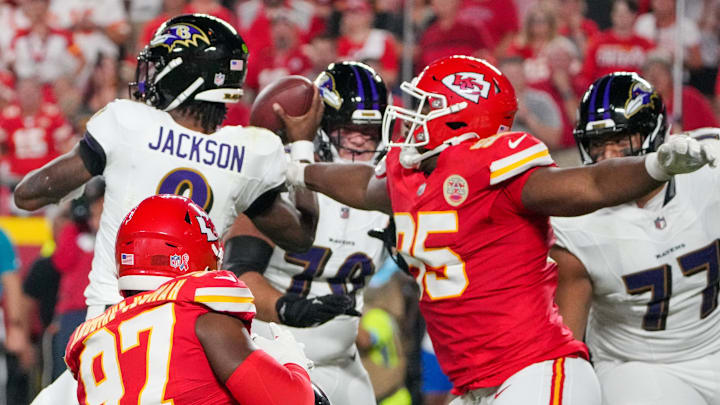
x=164, y=237
x=459, y=97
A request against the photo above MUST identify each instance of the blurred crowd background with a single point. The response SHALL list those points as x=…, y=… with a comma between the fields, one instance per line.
x=63, y=60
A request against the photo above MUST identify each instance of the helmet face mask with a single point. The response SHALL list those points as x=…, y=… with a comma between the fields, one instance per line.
x=191, y=57
x=455, y=98
x=356, y=99
x=618, y=105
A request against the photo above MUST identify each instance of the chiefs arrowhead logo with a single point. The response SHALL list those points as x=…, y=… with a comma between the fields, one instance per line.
x=469, y=85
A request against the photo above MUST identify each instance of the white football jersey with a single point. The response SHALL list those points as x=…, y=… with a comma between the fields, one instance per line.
x=341, y=261
x=654, y=271
x=148, y=153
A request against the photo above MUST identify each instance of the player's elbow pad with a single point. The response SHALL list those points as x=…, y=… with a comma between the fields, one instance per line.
x=246, y=253
x=260, y=380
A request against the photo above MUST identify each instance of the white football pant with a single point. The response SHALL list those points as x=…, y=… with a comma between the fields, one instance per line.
x=563, y=381
x=344, y=382
x=693, y=382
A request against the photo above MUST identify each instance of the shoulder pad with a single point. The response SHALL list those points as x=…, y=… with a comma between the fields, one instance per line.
x=221, y=291
x=259, y=141
x=513, y=153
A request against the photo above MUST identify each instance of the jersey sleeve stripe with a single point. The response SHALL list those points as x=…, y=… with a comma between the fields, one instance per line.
x=230, y=307
x=539, y=157
x=224, y=291
x=222, y=298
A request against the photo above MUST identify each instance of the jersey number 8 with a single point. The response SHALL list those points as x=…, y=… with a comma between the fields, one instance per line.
x=188, y=183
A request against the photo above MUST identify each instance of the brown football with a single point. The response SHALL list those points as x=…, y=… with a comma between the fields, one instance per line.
x=293, y=93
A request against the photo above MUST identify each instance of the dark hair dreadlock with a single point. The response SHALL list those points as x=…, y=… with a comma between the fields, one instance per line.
x=210, y=114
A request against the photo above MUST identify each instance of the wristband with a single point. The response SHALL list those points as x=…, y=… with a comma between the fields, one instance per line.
x=655, y=169
x=295, y=175
x=302, y=151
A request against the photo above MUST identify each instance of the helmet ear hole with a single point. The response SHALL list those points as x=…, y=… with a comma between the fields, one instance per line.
x=455, y=125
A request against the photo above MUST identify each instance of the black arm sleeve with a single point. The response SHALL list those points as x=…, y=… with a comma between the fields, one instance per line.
x=264, y=202
x=92, y=154
x=246, y=253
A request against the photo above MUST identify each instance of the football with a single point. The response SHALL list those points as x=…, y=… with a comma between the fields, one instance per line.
x=293, y=93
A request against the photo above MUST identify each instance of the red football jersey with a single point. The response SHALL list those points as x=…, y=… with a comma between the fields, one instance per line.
x=144, y=349
x=609, y=53
x=481, y=259
x=32, y=141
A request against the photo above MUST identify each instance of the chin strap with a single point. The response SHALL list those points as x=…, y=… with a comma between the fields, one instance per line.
x=410, y=158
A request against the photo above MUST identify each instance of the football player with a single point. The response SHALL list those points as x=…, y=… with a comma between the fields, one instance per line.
x=319, y=293
x=471, y=203
x=181, y=335
x=168, y=141
x=643, y=276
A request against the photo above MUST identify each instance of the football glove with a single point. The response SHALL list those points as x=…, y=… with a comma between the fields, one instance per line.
x=283, y=347
x=294, y=310
x=680, y=154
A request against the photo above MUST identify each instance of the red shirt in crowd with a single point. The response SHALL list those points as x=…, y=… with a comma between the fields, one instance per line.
x=32, y=141
x=609, y=53
x=268, y=67
x=459, y=39
x=497, y=17
x=379, y=45
x=72, y=259
x=696, y=109
x=220, y=12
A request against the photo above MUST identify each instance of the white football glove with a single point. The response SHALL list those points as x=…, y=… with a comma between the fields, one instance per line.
x=283, y=347
x=680, y=154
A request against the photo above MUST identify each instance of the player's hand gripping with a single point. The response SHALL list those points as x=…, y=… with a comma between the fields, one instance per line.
x=283, y=347
x=681, y=154
x=303, y=127
x=294, y=310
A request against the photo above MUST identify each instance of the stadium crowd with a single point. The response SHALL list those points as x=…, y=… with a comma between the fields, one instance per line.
x=63, y=60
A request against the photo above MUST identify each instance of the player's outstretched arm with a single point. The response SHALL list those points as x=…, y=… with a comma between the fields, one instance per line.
x=581, y=190
x=292, y=227
x=252, y=376
x=574, y=291
x=353, y=184
x=50, y=183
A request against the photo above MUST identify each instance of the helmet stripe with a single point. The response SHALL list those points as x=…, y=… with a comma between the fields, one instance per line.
x=361, y=90
x=593, y=96
x=606, y=98
x=373, y=88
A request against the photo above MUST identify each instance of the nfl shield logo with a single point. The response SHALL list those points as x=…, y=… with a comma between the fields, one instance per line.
x=219, y=79
x=660, y=223
x=180, y=262
x=344, y=212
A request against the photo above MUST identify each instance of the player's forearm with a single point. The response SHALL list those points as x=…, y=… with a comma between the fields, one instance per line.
x=343, y=182
x=306, y=203
x=266, y=296
x=581, y=190
x=51, y=182
x=617, y=181
x=16, y=303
